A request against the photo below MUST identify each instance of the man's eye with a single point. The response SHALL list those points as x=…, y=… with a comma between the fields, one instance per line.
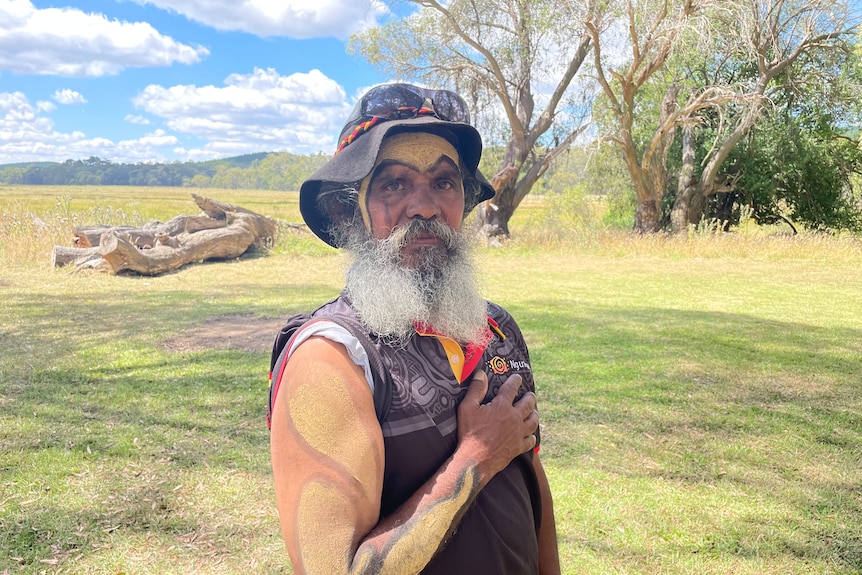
x=445, y=185
x=394, y=186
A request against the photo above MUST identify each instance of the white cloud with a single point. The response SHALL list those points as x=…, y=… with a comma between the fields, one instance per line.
x=27, y=135
x=68, y=97
x=70, y=42
x=258, y=112
x=261, y=111
x=291, y=18
x=136, y=119
x=157, y=138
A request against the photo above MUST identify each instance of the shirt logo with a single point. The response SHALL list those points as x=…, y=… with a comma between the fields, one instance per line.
x=500, y=365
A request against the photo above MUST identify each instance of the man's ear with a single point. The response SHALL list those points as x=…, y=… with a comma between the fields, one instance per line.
x=340, y=207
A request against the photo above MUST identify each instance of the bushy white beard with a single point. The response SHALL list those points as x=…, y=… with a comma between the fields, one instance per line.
x=440, y=292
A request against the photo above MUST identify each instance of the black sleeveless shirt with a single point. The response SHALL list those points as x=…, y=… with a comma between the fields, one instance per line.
x=498, y=533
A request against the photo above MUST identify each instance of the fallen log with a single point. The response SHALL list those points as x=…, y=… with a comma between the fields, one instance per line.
x=264, y=229
x=63, y=256
x=145, y=237
x=224, y=243
x=88, y=236
x=222, y=232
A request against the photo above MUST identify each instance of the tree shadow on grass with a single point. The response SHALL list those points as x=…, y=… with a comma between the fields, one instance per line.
x=739, y=403
x=209, y=411
x=84, y=384
x=659, y=357
x=39, y=330
x=192, y=419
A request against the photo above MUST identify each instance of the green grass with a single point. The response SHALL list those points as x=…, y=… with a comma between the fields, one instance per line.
x=701, y=398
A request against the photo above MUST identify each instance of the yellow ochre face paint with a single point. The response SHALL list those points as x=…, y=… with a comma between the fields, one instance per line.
x=418, y=149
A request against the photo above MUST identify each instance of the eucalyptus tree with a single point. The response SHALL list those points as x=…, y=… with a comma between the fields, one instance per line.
x=709, y=62
x=637, y=76
x=800, y=159
x=777, y=49
x=516, y=61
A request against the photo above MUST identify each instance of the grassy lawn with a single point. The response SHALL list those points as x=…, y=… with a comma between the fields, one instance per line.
x=701, y=397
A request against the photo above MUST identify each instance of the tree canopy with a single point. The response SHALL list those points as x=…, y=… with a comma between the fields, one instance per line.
x=682, y=84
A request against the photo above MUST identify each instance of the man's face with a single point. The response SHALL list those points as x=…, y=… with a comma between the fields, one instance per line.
x=402, y=190
x=414, y=264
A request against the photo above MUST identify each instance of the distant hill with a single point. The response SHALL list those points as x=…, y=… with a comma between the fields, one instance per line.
x=263, y=170
x=244, y=161
x=28, y=165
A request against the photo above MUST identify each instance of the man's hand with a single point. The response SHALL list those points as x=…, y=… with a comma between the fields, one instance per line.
x=496, y=432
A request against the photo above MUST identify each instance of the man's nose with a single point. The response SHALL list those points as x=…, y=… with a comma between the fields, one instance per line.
x=423, y=203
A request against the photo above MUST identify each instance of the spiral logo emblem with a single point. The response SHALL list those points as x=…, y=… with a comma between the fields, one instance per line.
x=498, y=365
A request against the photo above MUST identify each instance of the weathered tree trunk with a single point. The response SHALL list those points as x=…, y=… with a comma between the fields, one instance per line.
x=647, y=217
x=696, y=206
x=222, y=232
x=494, y=215
x=657, y=157
x=693, y=202
x=224, y=243
x=686, y=189
x=264, y=228
x=88, y=236
x=649, y=175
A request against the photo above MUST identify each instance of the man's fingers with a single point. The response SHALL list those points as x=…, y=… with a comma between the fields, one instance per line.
x=509, y=389
x=478, y=388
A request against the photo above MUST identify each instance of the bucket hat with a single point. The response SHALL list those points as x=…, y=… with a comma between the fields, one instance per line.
x=362, y=135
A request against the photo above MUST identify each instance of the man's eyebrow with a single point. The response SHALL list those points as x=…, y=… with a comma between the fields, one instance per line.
x=391, y=162
x=443, y=159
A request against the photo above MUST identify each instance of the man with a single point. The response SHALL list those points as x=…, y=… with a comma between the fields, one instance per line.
x=404, y=429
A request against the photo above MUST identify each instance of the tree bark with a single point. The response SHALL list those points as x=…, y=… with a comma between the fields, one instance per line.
x=647, y=217
x=265, y=229
x=223, y=243
x=88, y=236
x=494, y=215
x=146, y=237
x=63, y=256
x=223, y=231
x=686, y=189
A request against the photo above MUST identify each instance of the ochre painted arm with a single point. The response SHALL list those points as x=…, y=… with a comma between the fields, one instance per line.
x=327, y=457
x=549, y=556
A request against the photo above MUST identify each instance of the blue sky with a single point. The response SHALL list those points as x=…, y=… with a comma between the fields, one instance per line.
x=165, y=80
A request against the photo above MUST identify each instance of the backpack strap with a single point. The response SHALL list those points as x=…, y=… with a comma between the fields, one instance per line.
x=379, y=374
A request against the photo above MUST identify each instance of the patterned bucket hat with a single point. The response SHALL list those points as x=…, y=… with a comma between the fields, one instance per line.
x=383, y=111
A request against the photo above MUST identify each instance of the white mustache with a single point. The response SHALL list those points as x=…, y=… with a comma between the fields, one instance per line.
x=415, y=228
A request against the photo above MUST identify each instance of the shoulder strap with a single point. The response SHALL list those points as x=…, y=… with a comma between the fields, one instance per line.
x=284, y=335
x=379, y=374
